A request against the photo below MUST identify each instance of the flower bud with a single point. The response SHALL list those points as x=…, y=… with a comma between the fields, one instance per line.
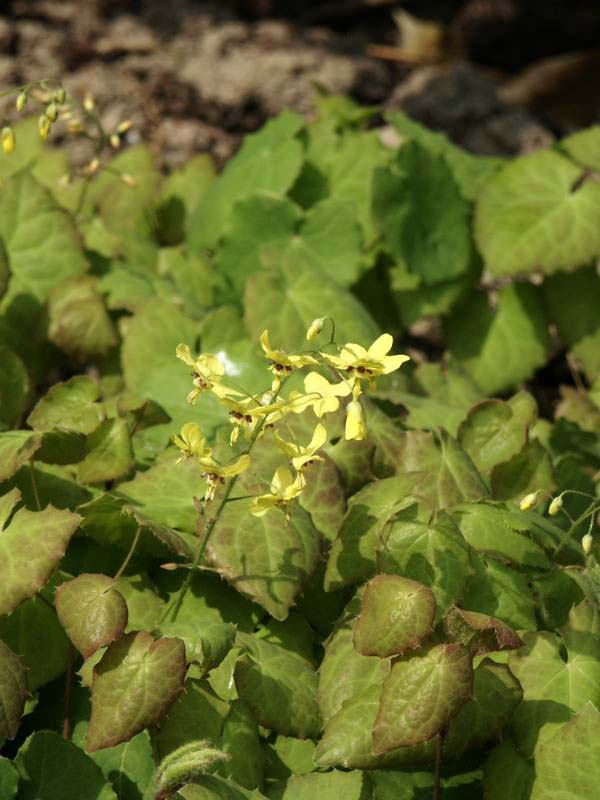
x=89, y=103
x=115, y=141
x=44, y=126
x=8, y=140
x=529, y=501
x=129, y=180
x=315, y=328
x=124, y=126
x=355, y=421
x=60, y=96
x=92, y=167
x=75, y=126
x=21, y=101
x=586, y=543
x=52, y=112
x=555, y=506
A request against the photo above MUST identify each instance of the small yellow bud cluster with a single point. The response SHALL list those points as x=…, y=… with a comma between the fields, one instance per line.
x=254, y=414
x=50, y=115
x=122, y=128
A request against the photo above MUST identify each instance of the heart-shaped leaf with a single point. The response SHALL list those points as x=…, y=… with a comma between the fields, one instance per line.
x=397, y=615
x=485, y=634
x=13, y=691
x=421, y=695
x=92, y=611
x=134, y=684
x=30, y=547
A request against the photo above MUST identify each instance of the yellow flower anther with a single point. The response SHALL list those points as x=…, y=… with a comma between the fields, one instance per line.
x=216, y=474
x=529, y=501
x=315, y=328
x=52, y=112
x=44, y=126
x=21, y=101
x=8, y=140
x=586, y=543
x=555, y=506
x=355, y=421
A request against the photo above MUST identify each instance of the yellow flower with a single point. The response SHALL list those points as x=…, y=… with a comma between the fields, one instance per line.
x=244, y=412
x=296, y=403
x=315, y=328
x=355, y=421
x=280, y=362
x=301, y=456
x=8, y=140
x=284, y=489
x=325, y=395
x=361, y=364
x=216, y=474
x=207, y=371
x=191, y=442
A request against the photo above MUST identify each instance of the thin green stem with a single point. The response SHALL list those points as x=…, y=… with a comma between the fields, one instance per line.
x=439, y=744
x=34, y=488
x=565, y=539
x=174, y=610
x=129, y=555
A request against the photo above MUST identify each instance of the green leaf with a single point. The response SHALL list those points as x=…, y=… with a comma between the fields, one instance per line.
x=31, y=546
x=52, y=768
x=325, y=786
x=128, y=766
x=92, y=611
x=268, y=558
x=344, y=672
x=14, y=388
x=288, y=756
x=470, y=172
x=9, y=779
x=498, y=532
x=266, y=230
x=71, y=406
x=566, y=767
x=348, y=738
x=435, y=554
x=40, y=238
x=110, y=455
x=352, y=557
x=287, y=303
x=381, y=630
x=421, y=695
x=148, y=357
x=584, y=146
x=539, y=212
x=13, y=692
x=279, y=687
x=506, y=773
x=293, y=634
x=501, y=592
x=16, y=448
x=78, y=321
x=572, y=301
x=181, y=195
x=240, y=740
x=555, y=686
x=144, y=606
x=134, y=684
x=214, y=787
x=422, y=216
x=34, y=629
x=503, y=348
x=495, y=431
x=197, y=712
x=448, y=476
x=496, y=695
x=528, y=471
x=267, y=161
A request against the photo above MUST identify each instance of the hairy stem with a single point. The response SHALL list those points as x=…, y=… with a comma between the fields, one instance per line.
x=68, y=689
x=439, y=744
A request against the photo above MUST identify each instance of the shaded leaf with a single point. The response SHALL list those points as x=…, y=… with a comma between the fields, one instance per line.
x=528, y=471
x=421, y=695
x=484, y=634
x=9, y=779
x=78, y=321
x=13, y=691
x=14, y=387
x=71, y=406
x=506, y=773
x=241, y=741
x=16, y=448
x=110, y=455
x=134, y=684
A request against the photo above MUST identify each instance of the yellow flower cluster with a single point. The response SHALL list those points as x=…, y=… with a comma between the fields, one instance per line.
x=352, y=366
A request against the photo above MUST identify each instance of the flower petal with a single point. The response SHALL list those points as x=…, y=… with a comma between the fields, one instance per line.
x=381, y=346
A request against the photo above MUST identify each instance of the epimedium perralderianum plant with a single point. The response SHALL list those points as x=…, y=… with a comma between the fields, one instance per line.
x=290, y=688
